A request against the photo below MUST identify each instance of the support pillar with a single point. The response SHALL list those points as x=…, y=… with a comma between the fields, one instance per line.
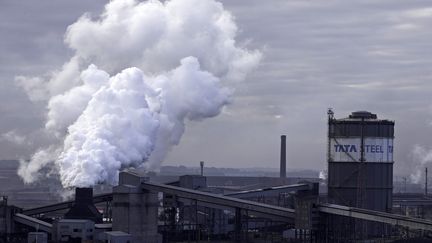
x=238, y=225
x=135, y=211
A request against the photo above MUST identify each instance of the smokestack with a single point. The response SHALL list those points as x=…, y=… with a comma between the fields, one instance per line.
x=283, y=157
x=426, y=181
x=83, y=207
x=202, y=168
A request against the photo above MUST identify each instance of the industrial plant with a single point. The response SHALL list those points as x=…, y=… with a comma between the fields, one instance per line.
x=356, y=202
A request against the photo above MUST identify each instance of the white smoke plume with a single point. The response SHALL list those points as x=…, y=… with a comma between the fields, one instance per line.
x=323, y=174
x=422, y=158
x=14, y=137
x=42, y=158
x=149, y=67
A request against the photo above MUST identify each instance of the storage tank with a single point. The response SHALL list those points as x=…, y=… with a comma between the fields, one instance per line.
x=360, y=161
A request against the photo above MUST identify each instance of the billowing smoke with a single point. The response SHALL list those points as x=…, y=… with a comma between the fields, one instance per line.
x=140, y=71
x=422, y=158
x=323, y=174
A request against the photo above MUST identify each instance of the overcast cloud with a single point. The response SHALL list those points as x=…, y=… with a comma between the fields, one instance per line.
x=348, y=55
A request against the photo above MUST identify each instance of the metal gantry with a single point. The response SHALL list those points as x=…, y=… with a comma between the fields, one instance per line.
x=244, y=212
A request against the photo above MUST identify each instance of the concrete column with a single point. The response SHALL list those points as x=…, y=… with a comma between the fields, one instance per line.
x=135, y=211
x=238, y=225
x=304, y=201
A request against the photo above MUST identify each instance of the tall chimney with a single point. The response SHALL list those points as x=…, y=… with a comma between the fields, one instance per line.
x=202, y=168
x=283, y=157
x=426, y=181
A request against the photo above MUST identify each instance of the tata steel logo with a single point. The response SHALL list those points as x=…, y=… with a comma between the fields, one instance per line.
x=351, y=148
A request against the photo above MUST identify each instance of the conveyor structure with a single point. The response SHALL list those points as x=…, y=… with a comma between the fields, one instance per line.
x=210, y=198
x=381, y=217
x=270, y=191
x=65, y=205
x=33, y=222
x=228, y=201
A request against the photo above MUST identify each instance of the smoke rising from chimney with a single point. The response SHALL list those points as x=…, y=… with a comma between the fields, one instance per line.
x=422, y=157
x=140, y=71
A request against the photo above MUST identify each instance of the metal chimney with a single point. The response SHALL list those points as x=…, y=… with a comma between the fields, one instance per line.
x=83, y=207
x=283, y=157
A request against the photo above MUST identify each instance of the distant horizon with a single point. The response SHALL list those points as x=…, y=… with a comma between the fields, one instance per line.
x=205, y=166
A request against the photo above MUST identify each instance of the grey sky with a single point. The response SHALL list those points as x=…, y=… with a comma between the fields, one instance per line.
x=349, y=55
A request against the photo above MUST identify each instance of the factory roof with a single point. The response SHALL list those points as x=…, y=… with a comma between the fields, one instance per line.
x=75, y=221
x=117, y=233
x=362, y=114
x=103, y=226
x=357, y=116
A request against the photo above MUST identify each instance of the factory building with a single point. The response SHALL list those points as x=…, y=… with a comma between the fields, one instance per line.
x=69, y=230
x=360, y=165
x=199, y=208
